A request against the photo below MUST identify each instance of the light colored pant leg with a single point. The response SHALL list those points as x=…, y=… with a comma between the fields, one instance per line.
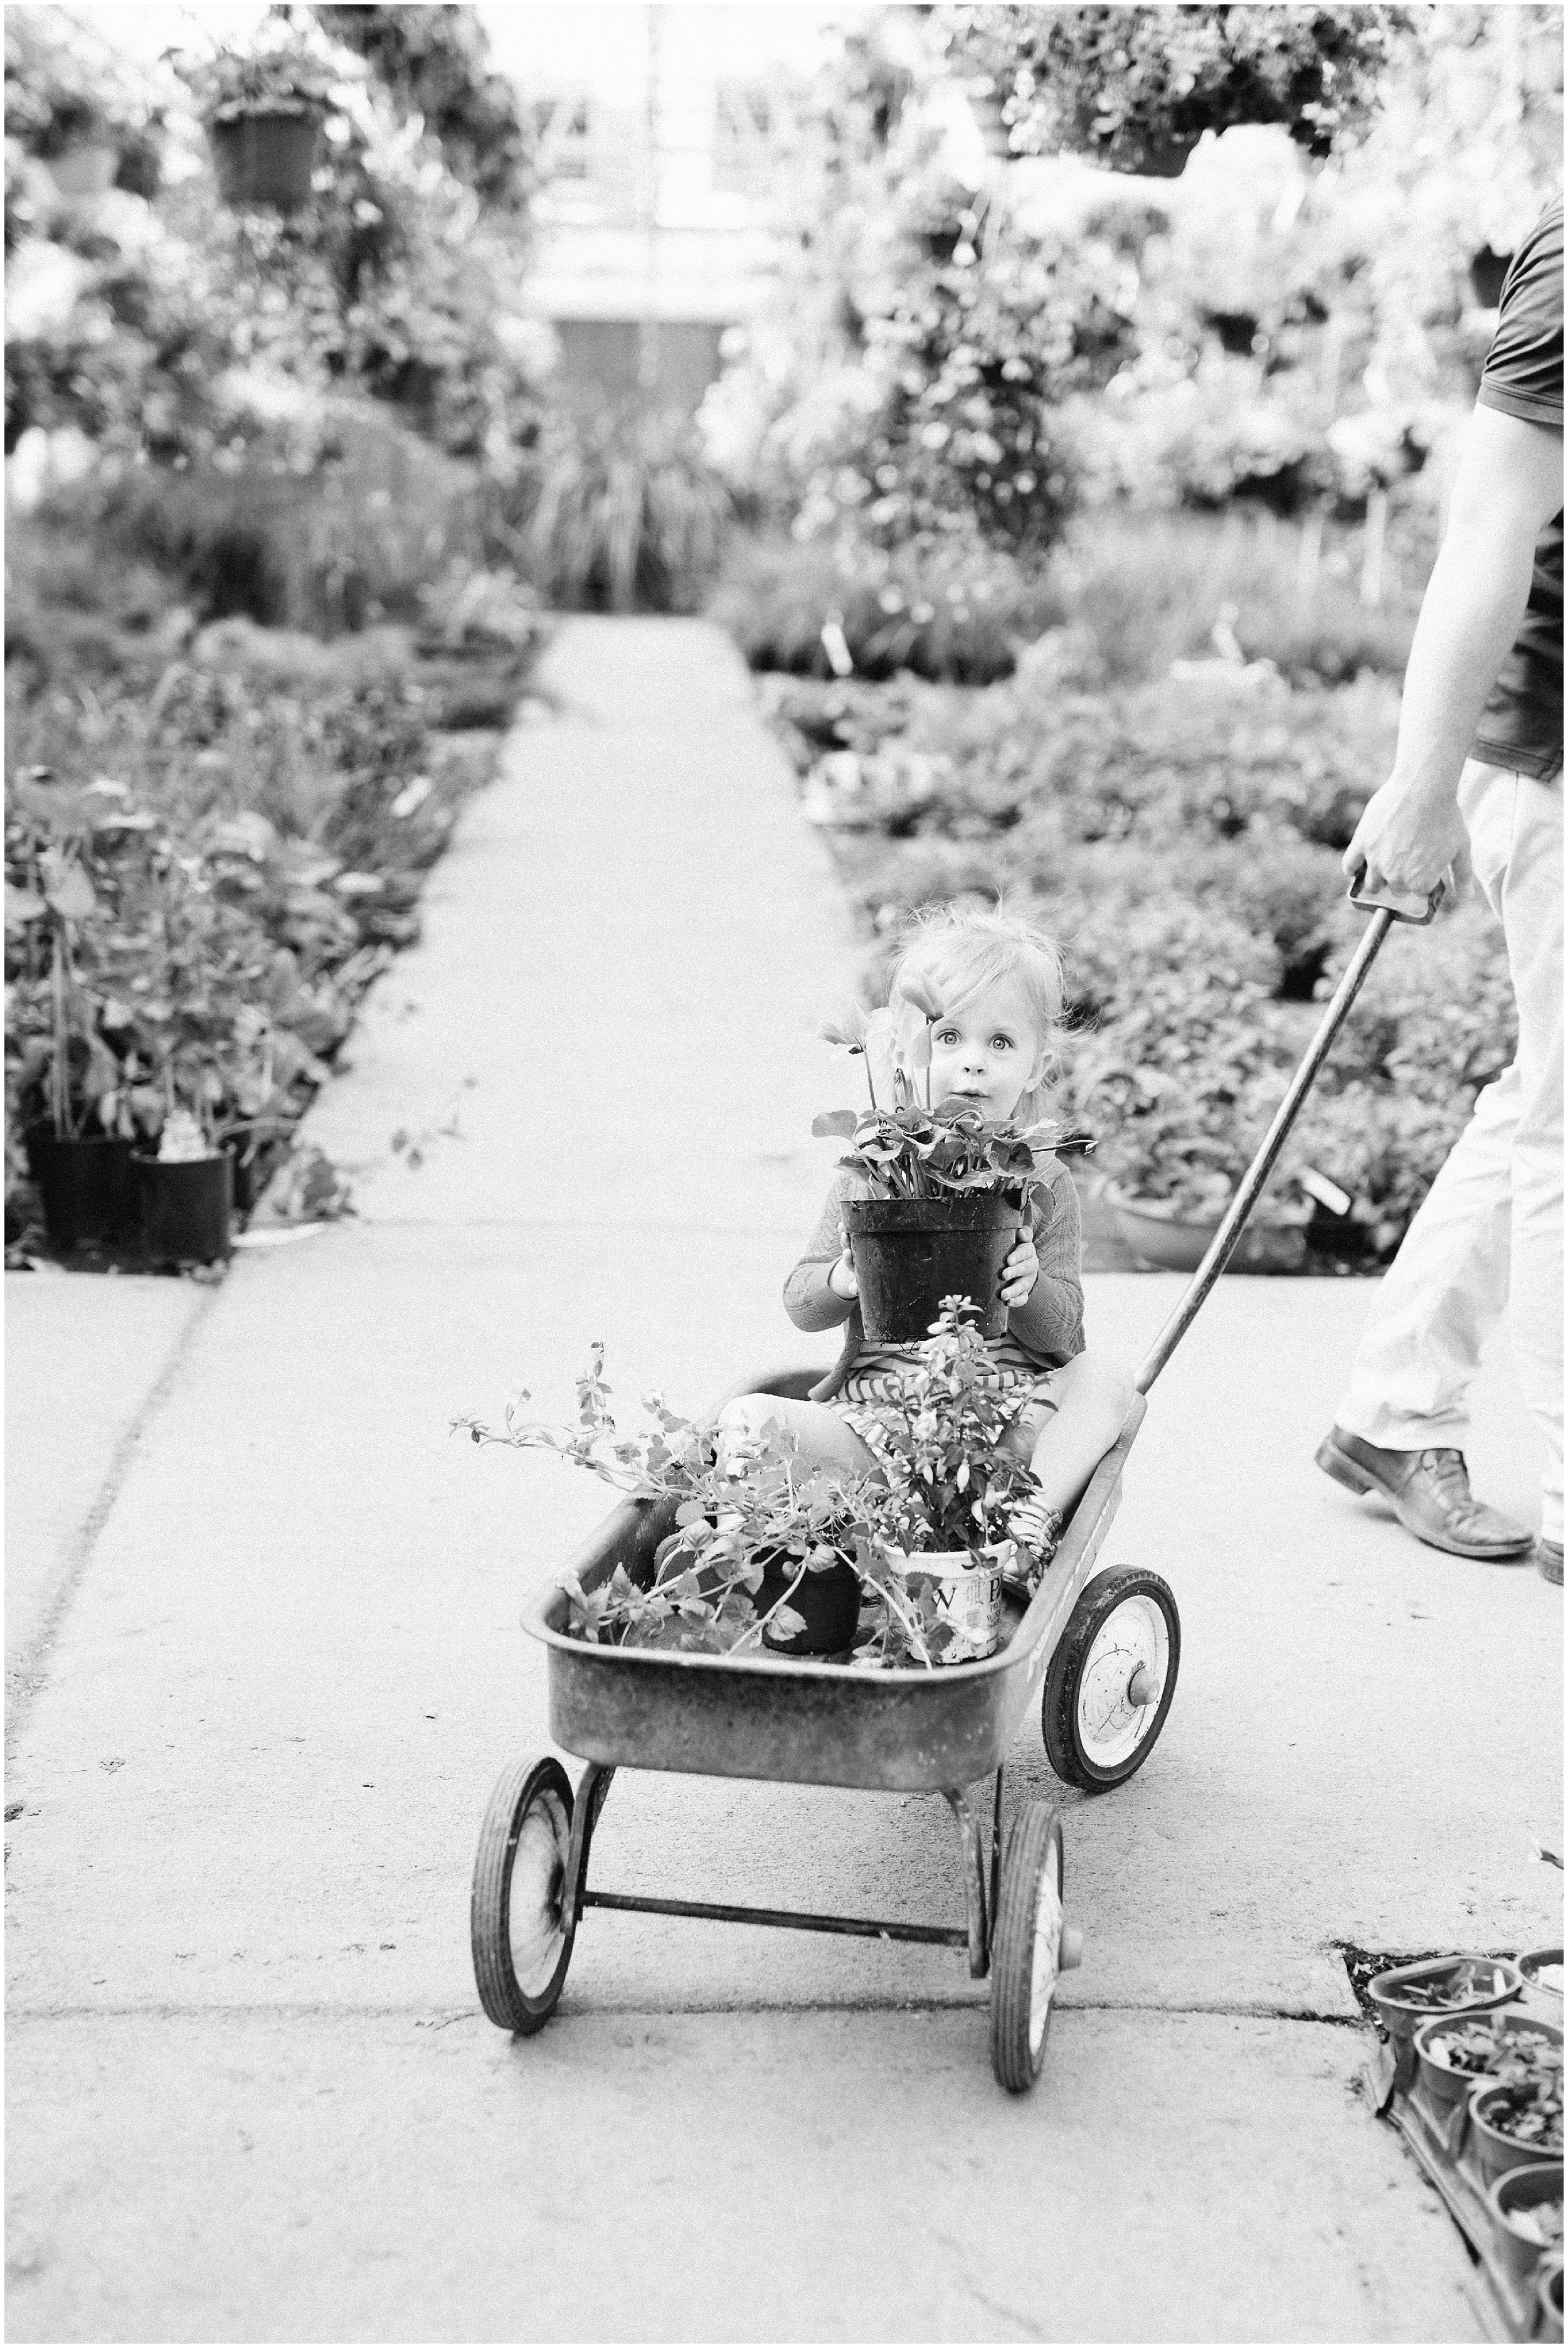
x=1490, y=1231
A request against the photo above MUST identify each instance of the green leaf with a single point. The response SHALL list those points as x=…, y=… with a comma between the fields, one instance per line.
x=839, y=1122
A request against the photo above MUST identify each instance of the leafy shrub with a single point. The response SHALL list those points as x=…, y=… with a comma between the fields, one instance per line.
x=1152, y=589
x=944, y=610
x=1181, y=840
x=325, y=530
x=254, y=833
x=616, y=511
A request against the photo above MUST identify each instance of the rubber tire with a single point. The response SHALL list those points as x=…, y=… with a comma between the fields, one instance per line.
x=1059, y=1711
x=1033, y=1845
x=502, y=1995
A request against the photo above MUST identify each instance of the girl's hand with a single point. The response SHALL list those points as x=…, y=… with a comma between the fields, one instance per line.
x=1020, y=1272
x=841, y=1276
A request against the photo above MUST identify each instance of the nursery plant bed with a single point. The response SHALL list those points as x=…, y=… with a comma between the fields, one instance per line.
x=1444, y=2143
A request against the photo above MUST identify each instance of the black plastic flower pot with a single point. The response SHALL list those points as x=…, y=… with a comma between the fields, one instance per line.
x=827, y=1601
x=86, y=1187
x=909, y=1253
x=186, y=1205
x=266, y=161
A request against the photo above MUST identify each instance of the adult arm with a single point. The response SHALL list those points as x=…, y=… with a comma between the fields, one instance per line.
x=1508, y=487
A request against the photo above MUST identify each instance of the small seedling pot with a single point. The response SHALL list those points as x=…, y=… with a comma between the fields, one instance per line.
x=1444, y=2088
x=1549, y=2300
x=265, y=160
x=86, y=1187
x=828, y=1602
x=186, y=1207
x=1494, y=1983
x=968, y=1596
x=1520, y=2190
x=1536, y=1996
x=1497, y=2155
x=909, y=1253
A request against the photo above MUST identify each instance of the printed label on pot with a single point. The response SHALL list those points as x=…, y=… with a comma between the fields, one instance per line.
x=969, y=1597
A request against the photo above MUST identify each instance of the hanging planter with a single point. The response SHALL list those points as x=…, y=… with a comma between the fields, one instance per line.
x=86, y=170
x=262, y=109
x=266, y=160
x=1136, y=88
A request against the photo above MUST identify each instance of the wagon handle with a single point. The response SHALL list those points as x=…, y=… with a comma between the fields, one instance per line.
x=1223, y=1246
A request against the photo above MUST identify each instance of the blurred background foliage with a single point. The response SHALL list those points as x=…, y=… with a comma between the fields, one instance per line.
x=1089, y=454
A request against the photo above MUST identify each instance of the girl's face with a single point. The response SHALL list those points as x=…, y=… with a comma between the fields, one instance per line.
x=990, y=1052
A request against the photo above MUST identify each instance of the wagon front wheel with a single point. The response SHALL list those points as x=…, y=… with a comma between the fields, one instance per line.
x=521, y=1934
x=1031, y=1948
x=1112, y=1678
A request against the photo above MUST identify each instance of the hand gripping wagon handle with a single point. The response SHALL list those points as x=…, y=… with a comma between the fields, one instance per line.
x=1384, y=912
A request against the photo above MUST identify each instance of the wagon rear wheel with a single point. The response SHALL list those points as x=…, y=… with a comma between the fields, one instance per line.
x=521, y=1935
x=1031, y=1948
x=1111, y=1681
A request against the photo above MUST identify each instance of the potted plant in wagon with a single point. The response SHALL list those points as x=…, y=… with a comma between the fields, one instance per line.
x=767, y=1553
x=947, y=1191
x=262, y=109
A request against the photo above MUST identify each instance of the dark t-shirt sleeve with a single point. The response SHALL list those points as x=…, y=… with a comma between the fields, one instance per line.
x=1524, y=371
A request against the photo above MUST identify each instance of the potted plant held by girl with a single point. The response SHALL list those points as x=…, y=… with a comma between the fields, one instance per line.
x=948, y=1186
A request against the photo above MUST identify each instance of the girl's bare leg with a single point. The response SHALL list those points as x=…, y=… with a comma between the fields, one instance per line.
x=1093, y=1400
x=824, y=1440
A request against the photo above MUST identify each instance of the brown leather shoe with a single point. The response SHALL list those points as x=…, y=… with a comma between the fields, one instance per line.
x=1431, y=1494
x=1548, y=1556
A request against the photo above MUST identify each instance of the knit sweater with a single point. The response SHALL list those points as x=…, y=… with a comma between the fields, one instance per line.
x=1049, y=1326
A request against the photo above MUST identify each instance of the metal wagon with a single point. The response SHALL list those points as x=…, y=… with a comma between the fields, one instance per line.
x=1098, y=1648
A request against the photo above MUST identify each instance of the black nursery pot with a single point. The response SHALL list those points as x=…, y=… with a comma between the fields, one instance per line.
x=827, y=1601
x=86, y=1187
x=911, y=1253
x=186, y=1205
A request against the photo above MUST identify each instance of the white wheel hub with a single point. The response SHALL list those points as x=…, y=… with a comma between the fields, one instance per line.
x=1047, y=1952
x=1120, y=1686
x=535, y=1931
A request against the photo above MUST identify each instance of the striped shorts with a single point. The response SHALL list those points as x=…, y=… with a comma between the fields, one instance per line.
x=868, y=1399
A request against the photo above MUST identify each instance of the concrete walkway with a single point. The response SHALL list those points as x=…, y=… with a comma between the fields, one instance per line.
x=268, y=1667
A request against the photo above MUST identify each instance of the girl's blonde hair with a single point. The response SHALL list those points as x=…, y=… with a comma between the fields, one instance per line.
x=958, y=951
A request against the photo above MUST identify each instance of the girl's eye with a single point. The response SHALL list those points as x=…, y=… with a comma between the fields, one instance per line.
x=946, y=1035
x=1002, y=1043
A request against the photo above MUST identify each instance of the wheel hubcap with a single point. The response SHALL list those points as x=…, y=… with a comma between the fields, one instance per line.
x=1132, y=1644
x=1046, y=1953
x=536, y=1931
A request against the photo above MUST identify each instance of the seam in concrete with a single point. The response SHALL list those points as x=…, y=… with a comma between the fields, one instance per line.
x=23, y=1675
x=442, y=2017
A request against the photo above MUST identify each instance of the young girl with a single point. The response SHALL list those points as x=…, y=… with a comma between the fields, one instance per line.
x=998, y=979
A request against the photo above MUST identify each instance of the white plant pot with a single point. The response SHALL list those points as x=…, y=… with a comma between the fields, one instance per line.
x=969, y=1595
